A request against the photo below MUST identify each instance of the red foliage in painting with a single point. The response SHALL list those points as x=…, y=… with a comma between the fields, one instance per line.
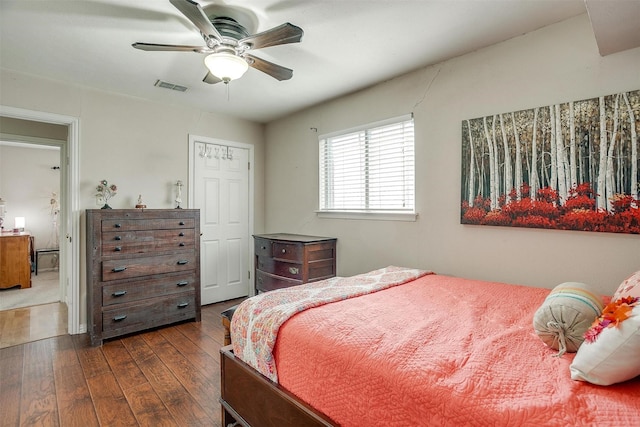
x=533, y=221
x=482, y=203
x=518, y=208
x=625, y=222
x=496, y=218
x=547, y=195
x=583, y=219
x=473, y=216
x=579, y=202
x=578, y=212
x=583, y=189
x=621, y=202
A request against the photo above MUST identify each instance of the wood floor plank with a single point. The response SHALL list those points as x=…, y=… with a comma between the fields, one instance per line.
x=38, y=404
x=184, y=409
x=11, y=368
x=125, y=369
x=111, y=405
x=72, y=391
x=200, y=386
x=204, y=355
x=148, y=407
x=91, y=359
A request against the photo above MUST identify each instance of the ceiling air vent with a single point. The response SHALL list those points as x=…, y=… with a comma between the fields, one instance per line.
x=171, y=86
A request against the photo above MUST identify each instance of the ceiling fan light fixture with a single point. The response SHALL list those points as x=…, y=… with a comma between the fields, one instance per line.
x=226, y=66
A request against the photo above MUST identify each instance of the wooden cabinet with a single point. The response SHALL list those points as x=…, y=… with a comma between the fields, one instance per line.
x=284, y=260
x=143, y=269
x=15, y=260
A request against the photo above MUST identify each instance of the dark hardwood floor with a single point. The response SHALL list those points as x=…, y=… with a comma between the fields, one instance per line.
x=165, y=377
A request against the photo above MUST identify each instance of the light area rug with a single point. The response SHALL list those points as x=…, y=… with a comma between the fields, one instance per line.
x=45, y=289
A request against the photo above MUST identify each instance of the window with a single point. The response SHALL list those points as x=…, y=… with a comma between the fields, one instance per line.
x=369, y=169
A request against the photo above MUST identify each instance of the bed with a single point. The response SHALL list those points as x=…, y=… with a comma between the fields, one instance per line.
x=413, y=348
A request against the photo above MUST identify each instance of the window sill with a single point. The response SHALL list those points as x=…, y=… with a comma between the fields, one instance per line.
x=378, y=216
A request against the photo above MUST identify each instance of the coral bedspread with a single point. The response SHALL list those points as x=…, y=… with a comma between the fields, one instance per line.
x=440, y=351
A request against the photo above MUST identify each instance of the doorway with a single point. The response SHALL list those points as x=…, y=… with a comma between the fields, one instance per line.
x=221, y=186
x=30, y=177
x=69, y=218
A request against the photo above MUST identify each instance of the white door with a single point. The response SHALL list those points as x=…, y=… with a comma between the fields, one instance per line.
x=221, y=191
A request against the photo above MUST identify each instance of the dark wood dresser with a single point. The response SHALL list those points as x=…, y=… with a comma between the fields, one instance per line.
x=284, y=260
x=143, y=269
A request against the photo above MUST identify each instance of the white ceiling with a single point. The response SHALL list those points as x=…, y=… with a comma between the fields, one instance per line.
x=348, y=44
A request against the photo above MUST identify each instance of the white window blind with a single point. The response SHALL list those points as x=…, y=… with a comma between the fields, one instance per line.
x=370, y=169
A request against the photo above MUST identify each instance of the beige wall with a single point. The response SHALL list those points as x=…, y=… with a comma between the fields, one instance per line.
x=140, y=146
x=556, y=64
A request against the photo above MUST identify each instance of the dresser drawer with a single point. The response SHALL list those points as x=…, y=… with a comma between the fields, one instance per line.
x=262, y=247
x=147, y=266
x=267, y=282
x=280, y=268
x=121, y=224
x=321, y=251
x=124, y=292
x=145, y=241
x=287, y=251
x=126, y=318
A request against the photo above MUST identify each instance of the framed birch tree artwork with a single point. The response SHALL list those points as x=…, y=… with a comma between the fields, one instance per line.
x=571, y=166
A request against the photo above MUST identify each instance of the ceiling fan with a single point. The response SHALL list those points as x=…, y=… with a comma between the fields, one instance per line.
x=228, y=43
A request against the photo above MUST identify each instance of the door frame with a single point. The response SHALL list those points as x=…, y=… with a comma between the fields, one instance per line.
x=69, y=212
x=190, y=183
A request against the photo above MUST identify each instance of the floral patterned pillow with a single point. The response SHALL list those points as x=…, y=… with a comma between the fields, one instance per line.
x=629, y=287
x=609, y=353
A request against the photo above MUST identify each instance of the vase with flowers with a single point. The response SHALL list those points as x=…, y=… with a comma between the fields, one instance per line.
x=106, y=191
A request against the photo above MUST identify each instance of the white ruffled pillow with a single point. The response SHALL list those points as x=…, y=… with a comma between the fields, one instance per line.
x=614, y=354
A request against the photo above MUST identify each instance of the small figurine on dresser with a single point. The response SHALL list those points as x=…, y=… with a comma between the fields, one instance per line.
x=140, y=204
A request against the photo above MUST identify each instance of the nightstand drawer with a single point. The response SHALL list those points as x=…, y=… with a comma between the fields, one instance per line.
x=267, y=282
x=288, y=251
x=280, y=268
x=262, y=247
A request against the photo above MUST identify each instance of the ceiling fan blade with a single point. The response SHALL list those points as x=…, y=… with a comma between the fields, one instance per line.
x=171, y=48
x=283, y=34
x=278, y=72
x=211, y=79
x=195, y=14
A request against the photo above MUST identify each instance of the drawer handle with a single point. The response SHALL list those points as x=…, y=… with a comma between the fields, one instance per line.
x=182, y=283
x=183, y=262
x=181, y=222
x=293, y=270
x=118, y=238
x=118, y=249
x=120, y=318
x=260, y=280
x=117, y=225
x=284, y=251
x=264, y=248
x=183, y=304
x=119, y=293
x=181, y=244
x=118, y=269
x=181, y=234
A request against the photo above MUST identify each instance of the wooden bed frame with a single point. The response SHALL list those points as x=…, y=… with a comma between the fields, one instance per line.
x=252, y=400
